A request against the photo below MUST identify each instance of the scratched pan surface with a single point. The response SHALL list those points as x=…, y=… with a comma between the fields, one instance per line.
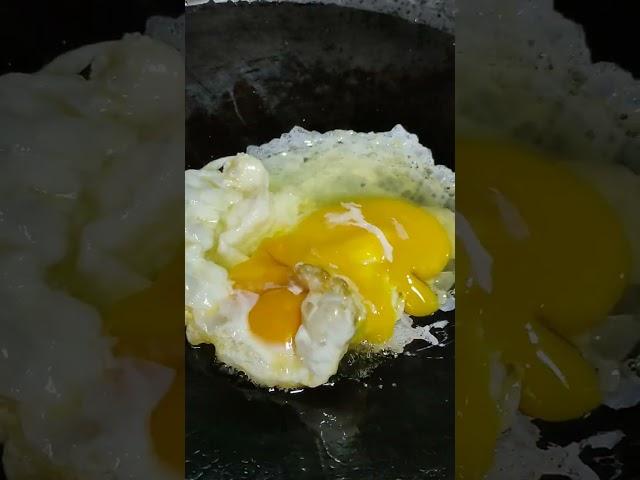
x=254, y=72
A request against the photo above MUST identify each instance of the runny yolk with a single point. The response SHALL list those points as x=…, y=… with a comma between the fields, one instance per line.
x=277, y=316
x=149, y=325
x=381, y=244
x=544, y=259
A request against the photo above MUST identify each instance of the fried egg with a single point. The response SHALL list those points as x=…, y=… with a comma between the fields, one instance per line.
x=315, y=244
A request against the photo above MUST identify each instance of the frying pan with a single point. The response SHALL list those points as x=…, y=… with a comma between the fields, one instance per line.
x=253, y=73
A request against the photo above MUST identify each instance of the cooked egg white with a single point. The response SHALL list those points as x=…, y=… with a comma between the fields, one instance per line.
x=289, y=263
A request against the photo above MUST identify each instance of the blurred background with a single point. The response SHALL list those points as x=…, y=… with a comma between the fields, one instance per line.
x=71, y=167
x=546, y=162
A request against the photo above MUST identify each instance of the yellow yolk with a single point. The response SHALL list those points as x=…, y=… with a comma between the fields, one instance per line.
x=559, y=260
x=381, y=245
x=277, y=315
x=149, y=325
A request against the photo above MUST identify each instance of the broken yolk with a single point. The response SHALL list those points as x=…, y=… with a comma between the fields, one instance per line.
x=149, y=325
x=544, y=259
x=381, y=245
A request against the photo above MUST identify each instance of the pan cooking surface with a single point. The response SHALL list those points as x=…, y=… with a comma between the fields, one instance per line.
x=253, y=73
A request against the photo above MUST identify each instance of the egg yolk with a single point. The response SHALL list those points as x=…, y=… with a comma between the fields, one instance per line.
x=382, y=245
x=149, y=325
x=543, y=260
x=277, y=316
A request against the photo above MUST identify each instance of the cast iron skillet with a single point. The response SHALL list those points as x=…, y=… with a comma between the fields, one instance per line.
x=254, y=72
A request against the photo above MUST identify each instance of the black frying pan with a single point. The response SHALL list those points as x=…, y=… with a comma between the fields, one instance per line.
x=254, y=72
